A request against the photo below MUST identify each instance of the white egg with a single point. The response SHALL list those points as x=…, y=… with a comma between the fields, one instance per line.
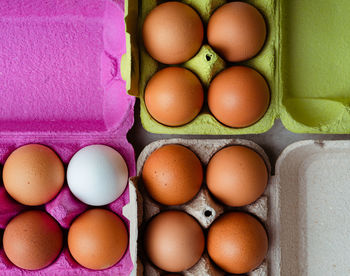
x=97, y=175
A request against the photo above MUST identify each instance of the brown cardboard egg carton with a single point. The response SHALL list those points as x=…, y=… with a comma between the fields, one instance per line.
x=203, y=207
x=305, y=209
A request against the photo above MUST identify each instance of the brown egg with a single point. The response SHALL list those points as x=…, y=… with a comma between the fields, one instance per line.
x=97, y=239
x=174, y=241
x=238, y=96
x=237, y=31
x=237, y=176
x=32, y=240
x=237, y=242
x=33, y=174
x=174, y=96
x=172, y=33
x=172, y=175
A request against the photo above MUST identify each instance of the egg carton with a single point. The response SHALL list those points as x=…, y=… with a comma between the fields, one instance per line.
x=65, y=100
x=308, y=95
x=203, y=207
x=65, y=208
x=205, y=64
x=305, y=208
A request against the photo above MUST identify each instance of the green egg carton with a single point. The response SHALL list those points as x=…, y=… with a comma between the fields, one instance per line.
x=305, y=60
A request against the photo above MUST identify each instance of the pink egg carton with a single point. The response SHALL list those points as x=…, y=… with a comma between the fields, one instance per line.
x=61, y=86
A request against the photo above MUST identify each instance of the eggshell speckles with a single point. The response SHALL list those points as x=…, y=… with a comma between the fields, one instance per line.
x=97, y=239
x=238, y=96
x=172, y=32
x=32, y=240
x=237, y=176
x=174, y=241
x=237, y=31
x=172, y=175
x=237, y=242
x=33, y=174
x=174, y=96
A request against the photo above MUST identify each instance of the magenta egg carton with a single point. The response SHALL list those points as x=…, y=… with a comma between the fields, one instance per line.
x=61, y=86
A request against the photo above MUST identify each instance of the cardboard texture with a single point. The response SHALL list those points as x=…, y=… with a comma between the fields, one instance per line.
x=304, y=208
x=313, y=210
x=52, y=96
x=61, y=86
x=306, y=69
x=203, y=207
x=314, y=66
x=206, y=64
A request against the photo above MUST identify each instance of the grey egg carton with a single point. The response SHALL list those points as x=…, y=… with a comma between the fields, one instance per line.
x=203, y=207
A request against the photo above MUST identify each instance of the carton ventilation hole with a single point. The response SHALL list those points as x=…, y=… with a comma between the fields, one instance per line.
x=208, y=213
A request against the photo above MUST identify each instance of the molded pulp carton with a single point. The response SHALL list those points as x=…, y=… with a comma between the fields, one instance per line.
x=203, y=207
x=305, y=61
x=61, y=86
x=304, y=208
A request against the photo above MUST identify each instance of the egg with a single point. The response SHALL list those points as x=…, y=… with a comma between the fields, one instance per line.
x=33, y=174
x=237, y=242
x=174, y=241
x=172, y=175
x=237, y=31
x=238, y=96
x=172, y=33
x=237, y=176
x=32, y=240
x=97, y=239
x=97, y=175
x=174, y=96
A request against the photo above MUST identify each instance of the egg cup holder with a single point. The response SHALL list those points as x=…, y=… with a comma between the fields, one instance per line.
x=307, y=69
x=52, y=96
x=203, y=207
